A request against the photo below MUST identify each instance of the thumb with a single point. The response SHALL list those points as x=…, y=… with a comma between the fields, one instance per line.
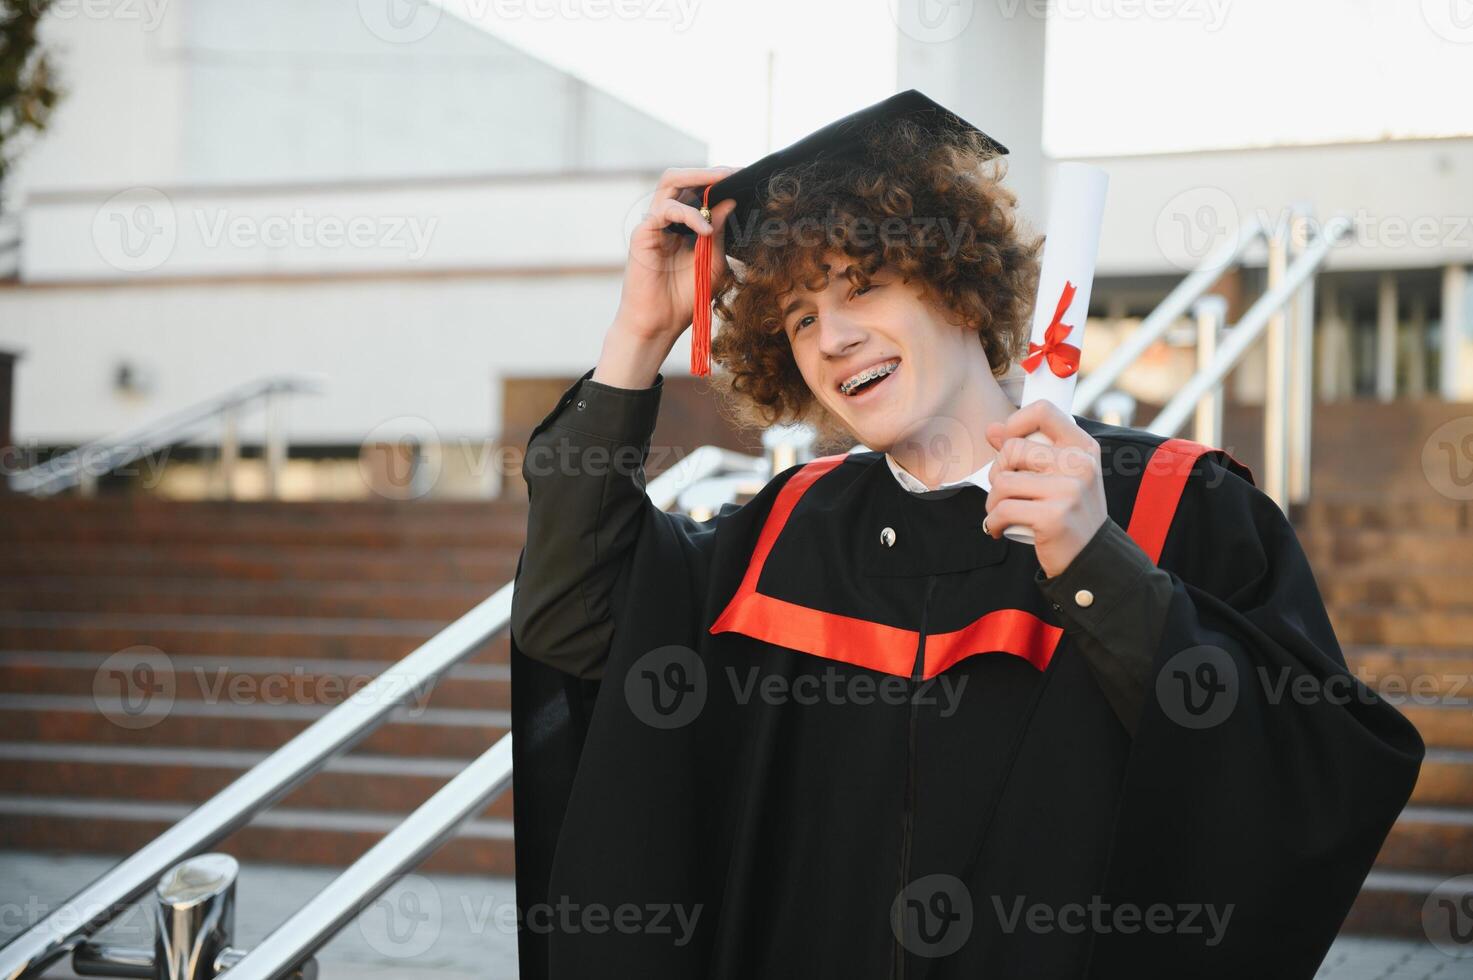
x=995, y=431
x=719, y=214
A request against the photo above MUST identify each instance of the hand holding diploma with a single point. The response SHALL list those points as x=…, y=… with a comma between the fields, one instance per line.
x=1054, y=487
x=1052, y=365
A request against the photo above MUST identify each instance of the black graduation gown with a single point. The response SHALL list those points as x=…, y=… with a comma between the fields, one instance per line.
x=751, y=764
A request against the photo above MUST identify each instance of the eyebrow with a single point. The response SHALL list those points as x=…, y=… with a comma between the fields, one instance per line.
x=847, y=272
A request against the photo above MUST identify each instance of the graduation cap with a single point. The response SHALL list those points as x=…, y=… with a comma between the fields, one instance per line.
x=843, y=140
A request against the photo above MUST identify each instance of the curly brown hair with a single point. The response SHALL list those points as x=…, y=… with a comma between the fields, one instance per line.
x=927, y=203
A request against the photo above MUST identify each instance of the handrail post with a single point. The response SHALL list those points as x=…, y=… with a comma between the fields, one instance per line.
x=1301, y=368
x=229, y=451
x=1210, y=312
x=1276, y=389
x=275, y=441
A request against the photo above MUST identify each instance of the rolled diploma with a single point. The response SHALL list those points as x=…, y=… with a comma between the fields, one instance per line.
x=1071, y=247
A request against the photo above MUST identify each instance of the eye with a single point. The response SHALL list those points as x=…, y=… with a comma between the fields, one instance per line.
x=861, y=290
x=803, y=322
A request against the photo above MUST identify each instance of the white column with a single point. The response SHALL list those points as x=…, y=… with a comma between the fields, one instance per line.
x=1386, y=338
x=1455, y=381
x=1334, y=347
x=1416, y=352
x=987, y=66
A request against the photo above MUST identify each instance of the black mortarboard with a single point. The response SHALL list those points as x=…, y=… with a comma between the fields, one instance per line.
x=843, y=139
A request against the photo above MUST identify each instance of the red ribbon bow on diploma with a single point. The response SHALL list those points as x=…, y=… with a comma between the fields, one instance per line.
x=1063, y=359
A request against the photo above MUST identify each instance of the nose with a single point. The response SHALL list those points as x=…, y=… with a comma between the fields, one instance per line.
x=838, y=334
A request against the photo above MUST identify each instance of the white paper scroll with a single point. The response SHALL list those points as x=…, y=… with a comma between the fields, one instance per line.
x=1076, y=213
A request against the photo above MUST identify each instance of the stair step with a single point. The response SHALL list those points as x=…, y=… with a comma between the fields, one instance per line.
x=235, y=636
x=173, y=596
x=488, y=567
x=1440, y=726
x=1420, y=589
x=1391, y=903
x=1404, y=626
x=1384, y=514
x=59, y=718
x=1419, y=546
x=382, y=784
x=280, y=835
x=1436, y=840
x=1446, y=779
x=236, y=680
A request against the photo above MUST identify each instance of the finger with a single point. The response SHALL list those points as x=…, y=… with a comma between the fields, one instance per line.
x=1013, y=511
x=672, y=211
x=677, y=179
x=1024, y=485
x=1046, y=417
x=1026, y=454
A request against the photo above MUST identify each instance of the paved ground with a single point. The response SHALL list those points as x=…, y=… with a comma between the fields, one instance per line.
x=455, y=927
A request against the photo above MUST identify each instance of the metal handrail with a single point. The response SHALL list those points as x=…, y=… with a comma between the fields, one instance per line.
x=31, y=952
x=99, y=456
x=1241, y=337
x=1176, y=304
x=1284, y=311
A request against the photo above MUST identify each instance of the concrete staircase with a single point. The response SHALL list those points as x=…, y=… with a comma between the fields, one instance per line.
x=231, y=626
x=264, y=612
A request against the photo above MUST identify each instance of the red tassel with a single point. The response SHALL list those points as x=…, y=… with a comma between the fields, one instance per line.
x=700, y=333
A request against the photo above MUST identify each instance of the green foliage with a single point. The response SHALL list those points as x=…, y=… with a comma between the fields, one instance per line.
x=28, y=86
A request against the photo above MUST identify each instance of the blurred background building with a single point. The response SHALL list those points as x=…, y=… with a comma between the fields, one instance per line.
x=418, y=228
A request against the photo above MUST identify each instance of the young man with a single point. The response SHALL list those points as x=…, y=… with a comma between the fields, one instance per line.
x=847, y=729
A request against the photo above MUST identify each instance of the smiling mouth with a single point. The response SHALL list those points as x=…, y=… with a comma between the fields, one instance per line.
x=869, y=378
